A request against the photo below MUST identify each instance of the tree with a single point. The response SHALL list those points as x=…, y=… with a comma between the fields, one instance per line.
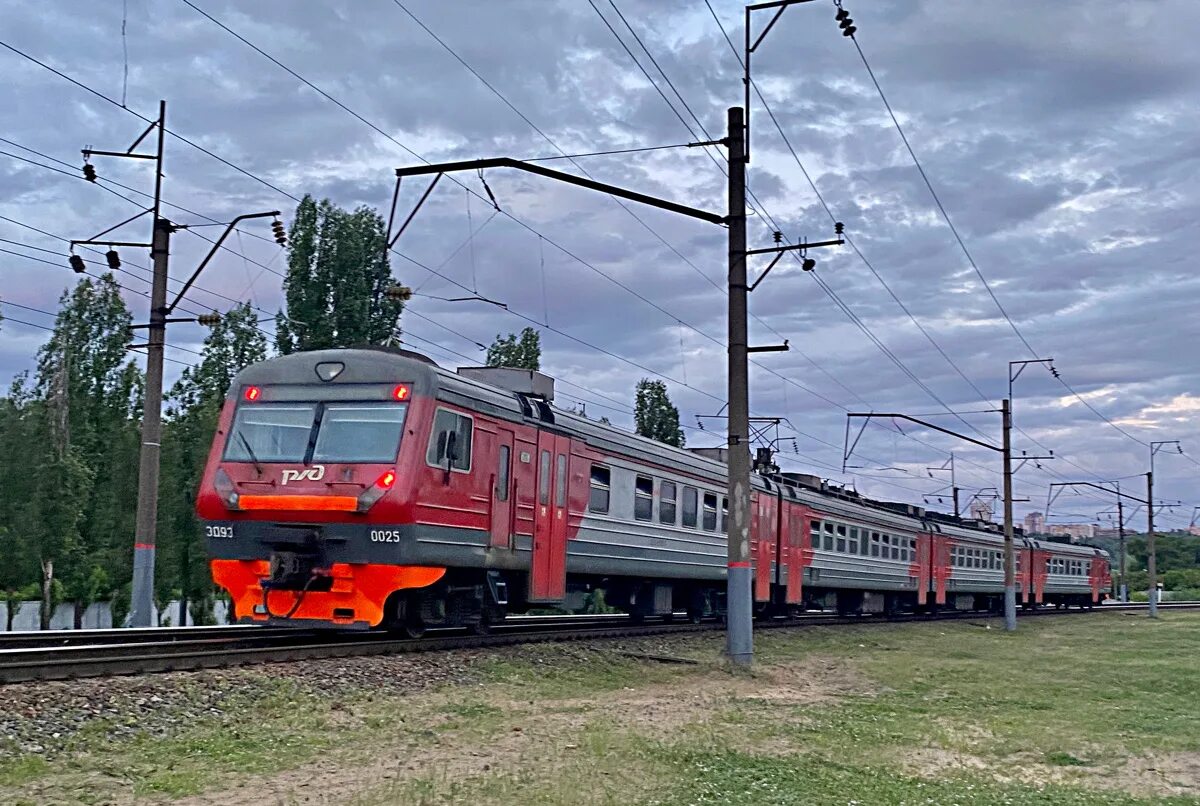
x=522, y=351
x=89, y=408
x=337, y=274
x=193, y=408
x=19, y=440
x=654, y=414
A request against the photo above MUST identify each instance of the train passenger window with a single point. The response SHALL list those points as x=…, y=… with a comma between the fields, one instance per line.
x=598, y=496
x=502, y=473
x=852, y=543
x=544, y=479
x=724, y=514
x=874, y=544
x=690, y=506
x=841, y=543
x=362, y=432
x=710, y=512
x=643, y=498
x=560, y=481
x=666, y=503
x=441, y=444
x=275, y=432
x=895, y=548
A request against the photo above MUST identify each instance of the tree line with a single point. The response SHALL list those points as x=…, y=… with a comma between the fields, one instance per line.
x=70, y=428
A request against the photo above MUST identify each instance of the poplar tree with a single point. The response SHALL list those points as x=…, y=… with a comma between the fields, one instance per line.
x=522, y=351
x=90, y=395
x=338, y=271
x=654, y=415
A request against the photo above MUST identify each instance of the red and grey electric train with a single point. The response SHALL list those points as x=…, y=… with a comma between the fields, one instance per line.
x=366, y=488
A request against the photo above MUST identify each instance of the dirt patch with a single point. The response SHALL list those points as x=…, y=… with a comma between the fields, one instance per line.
x=1158, y=774
x=1146, y=776
x=937, y=762
x=545, y=737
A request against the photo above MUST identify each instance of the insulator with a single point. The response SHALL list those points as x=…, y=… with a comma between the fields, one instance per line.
x=809, y=264
x=209, y=319
x=114, y=260
x=89, y=172
x=842, y=14
x=849, y=30
x=401, y=293
x=77, y=264
x=839, y=227
x=279, y=232
x=778, y=236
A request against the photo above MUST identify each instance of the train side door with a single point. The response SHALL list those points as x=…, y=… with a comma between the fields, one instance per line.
x=764, y=540
x=548, y=568
x=503, y=503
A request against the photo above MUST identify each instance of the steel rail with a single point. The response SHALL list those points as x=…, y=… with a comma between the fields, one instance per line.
x=252, y=646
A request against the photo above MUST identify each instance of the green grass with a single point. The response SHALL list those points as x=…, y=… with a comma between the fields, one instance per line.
x=1070, y=710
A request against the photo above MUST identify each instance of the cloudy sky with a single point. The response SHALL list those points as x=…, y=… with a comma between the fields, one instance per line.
x=1061, y=139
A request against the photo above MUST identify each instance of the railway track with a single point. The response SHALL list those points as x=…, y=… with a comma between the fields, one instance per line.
x=100, y=653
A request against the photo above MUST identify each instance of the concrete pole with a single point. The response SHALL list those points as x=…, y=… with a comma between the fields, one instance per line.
x=739, y=637
x=1151, y=560
x=1010, y=568
x=1122, y=590
x=141, y=613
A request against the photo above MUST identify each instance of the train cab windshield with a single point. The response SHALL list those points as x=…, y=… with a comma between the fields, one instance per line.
x=316, y=432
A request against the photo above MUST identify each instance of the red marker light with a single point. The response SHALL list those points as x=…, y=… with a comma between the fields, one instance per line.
x=252, y=393
x=386, y=480
x=400, y=393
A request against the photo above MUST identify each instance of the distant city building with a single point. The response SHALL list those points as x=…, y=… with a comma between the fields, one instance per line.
x=1194, y=530
x=1107, y=531
x=1035, y=523
x=981, y=509
x=1075, y=531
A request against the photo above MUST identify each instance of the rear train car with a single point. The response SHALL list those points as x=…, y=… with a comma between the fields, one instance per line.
x=367, y=488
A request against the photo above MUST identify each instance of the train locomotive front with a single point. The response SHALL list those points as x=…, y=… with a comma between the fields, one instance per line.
x=309, y=490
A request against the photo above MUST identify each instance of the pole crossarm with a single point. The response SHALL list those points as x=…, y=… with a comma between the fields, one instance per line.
x=217, y=245
x=867, y=416
x=571, y=179
x=750, y=47
x=1026, y=459
x=1111, y=491
x=792, y=247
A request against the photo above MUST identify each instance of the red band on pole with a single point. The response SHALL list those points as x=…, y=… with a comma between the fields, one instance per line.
x=739, y=565
x=143, y=545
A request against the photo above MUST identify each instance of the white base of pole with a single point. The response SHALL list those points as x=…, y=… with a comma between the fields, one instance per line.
x=739, y=635
x=1010, y=608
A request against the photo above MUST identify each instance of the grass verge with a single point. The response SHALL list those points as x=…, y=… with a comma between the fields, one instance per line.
x=1096, y=709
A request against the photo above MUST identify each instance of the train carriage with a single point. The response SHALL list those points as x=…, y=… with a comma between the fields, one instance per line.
x=371, y=488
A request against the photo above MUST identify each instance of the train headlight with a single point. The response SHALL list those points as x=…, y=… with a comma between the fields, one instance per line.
x=376, y=491
x=225, y=488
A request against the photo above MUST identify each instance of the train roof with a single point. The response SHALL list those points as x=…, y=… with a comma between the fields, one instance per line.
x=374, y=364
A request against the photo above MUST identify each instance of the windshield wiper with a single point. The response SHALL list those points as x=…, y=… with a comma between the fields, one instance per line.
x=249, y=450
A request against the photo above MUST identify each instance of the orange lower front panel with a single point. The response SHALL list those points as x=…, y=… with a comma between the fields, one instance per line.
x=357, y=595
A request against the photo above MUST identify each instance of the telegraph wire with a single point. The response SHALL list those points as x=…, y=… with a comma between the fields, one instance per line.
x=854, y=246
x=962, y=244
x=145, y=119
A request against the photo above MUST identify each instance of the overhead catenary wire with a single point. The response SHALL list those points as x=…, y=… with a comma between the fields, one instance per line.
x=963, y=246
x=854, y=246
x=202, y=149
